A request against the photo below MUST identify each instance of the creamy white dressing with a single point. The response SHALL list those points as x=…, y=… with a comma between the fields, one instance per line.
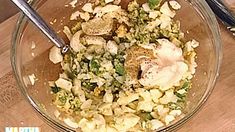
x=167, y=70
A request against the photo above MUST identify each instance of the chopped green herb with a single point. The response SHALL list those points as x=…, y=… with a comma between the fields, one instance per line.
x=94, y=66
x=154, y=3
x=116, y=84
x=182, y=96
x=89, y=86
x=186, y=85
x=145, y=116
x=119, y=67
x=71, y=74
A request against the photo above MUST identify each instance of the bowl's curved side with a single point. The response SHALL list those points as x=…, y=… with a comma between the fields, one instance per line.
x=207, y=14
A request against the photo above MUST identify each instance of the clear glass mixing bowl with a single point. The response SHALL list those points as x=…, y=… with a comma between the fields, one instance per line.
x=197, y=21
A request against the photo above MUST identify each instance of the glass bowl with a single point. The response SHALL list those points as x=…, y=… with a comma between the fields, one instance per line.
x=30, y=48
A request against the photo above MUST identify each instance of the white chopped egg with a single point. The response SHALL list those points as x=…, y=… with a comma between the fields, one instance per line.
x=123, y=100
x=112, y=47
x=106, y=109
x=97, y=124
x=107, y=65
x=95, y=40
x=108, y=97
x=174, y=4
x=87, y=8
x=97, y=11
x=175, y=112
x=77, y=83
x=71, y=123
x=194, y=43
x=168, y=119
x=182, y=91
x=145, y=106
x=86, y=104
x=145, y=94
x=165, y=22
x=190, y=45
x=64, y=84
x=110, y=129
x=154, y=14
x=88, y=56
x=110, y=8
x=127, y=109
x=155, y=94
x=75, y=15
x=100, y=11
x=168, y=97
x=67, y=32
x=108, y=1
x=165, y=9
x=79, y=92
x=155, y=124
x=126, y=121
x=146, y=7
x=116, y=2
x=98, y=80
x=86, y=125
x=32, y=79
x=55, y=55
x=75, y=42
x=161, y=110
x=84, y=15
x=118, y=111
x=73, y=3
x=152, y=25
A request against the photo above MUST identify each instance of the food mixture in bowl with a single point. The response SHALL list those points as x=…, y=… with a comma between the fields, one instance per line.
x=129, y=68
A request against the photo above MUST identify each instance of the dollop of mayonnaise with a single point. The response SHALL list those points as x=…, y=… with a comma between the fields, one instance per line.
x=167, y=69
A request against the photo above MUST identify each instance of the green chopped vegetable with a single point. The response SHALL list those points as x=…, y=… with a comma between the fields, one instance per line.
x=71, y=74
x=186, y=85
x=119, y=67
x=181, y=96
x=145, y=116
x=61, y=98
x=116, y=84
x=94, y=66
x=175, y=106
x=89, y=86
x=154, y=3
x=76, y=104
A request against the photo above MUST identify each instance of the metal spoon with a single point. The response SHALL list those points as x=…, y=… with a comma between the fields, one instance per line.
x=223, y=13
x=41, y=24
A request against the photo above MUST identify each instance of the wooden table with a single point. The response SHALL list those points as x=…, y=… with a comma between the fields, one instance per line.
x=217, y=115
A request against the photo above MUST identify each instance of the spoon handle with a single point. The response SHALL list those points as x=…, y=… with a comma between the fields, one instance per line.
x=39, y=22
x=223, y=13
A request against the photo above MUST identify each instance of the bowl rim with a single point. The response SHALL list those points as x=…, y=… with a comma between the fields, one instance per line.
x=22, y=22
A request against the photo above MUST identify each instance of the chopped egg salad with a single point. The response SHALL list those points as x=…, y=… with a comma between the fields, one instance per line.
x=129, y=69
